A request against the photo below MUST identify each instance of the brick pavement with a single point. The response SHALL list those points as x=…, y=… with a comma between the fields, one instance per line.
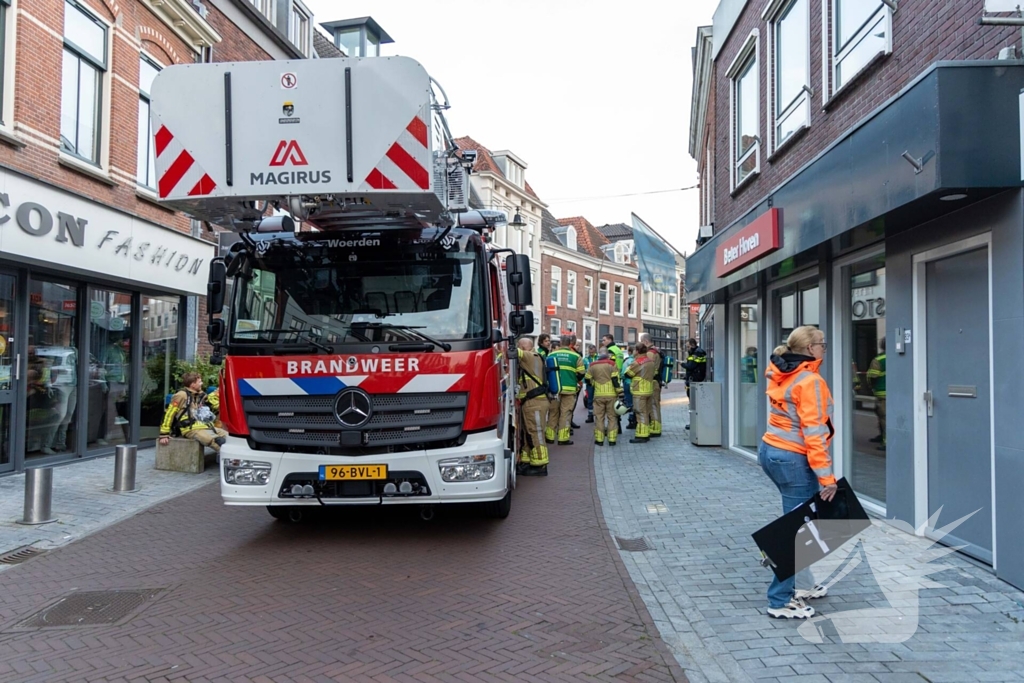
x=706, y=592
x=84, y=503
x=372, y=595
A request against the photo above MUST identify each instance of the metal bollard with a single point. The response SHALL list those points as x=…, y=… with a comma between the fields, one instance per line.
x=38, y=496
x=124, y=467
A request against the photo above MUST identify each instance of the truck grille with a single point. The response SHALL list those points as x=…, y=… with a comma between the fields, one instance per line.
x=308, y=423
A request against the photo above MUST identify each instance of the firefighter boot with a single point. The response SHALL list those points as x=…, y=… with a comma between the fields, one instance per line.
x=642, y=433
x=590, y=418
x=549, y=435
x=539, y=464
x=598, y=437
x=613, y=436
x=563, y=437
x=655, y=428
x=632, y=420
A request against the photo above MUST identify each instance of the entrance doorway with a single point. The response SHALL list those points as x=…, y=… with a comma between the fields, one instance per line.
x=953, y=382
x=10, y=372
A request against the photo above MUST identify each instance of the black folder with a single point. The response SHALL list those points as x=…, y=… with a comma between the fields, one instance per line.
x=816, y=528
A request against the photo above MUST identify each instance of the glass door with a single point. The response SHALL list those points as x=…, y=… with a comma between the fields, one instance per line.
x=10, y=373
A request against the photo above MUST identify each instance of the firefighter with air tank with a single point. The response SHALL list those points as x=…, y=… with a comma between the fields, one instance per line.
x=565, y=373
x=603, y=375
x=533, y=406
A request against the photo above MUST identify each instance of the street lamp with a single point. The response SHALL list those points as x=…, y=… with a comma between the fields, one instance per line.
x=517, y=221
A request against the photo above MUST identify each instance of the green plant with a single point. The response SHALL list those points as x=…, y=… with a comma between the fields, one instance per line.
x=209, y=373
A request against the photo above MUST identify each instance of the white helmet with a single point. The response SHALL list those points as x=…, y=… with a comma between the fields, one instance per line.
x=620, y=407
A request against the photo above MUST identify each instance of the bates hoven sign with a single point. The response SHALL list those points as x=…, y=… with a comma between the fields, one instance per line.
x=748, y=245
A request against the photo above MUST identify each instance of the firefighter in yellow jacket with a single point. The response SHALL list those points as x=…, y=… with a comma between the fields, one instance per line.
x=533, y=404
x=643, y=376
x=570, y=373
x=654, y=354
x=191, y=415
x=603, y=375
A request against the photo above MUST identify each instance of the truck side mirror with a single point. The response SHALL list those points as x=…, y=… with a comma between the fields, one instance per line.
x=517, y=269
x=216, y=286
x=215, y=330
x=520, y=323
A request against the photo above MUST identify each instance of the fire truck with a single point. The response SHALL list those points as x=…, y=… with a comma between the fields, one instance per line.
x=362, y=315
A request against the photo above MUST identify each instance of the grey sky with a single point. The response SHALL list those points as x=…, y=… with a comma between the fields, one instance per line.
x=593, y=94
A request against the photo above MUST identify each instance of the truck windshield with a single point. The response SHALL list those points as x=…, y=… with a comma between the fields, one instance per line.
x=302, y=292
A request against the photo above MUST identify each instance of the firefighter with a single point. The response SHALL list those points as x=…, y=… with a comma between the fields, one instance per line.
x=616, y=353
x=533, y=405
x=588, y=386
x=190, y=415
x=642, y=374
x=696, y=365
x=876, y=380
x=545, y=345
x=655, y=356
x=604, y=377
x=570, y=372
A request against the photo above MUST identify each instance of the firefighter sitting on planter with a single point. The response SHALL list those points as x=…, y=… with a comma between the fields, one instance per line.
x=190, y=415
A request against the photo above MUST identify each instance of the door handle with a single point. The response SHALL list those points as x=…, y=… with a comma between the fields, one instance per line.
x=929, y=402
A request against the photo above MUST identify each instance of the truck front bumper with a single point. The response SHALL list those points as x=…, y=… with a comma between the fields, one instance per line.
x=287, y=467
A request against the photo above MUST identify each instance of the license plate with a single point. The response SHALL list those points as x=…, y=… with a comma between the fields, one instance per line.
x=353, y=472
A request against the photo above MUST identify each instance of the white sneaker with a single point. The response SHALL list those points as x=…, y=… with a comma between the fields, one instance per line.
x=796, y=609
x=818, y=591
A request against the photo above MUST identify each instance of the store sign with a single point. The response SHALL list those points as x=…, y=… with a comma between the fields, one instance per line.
x=45, y=225
x=758, y=239
x=550, y=310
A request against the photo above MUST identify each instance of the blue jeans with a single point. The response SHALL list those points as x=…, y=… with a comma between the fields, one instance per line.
x=627, y=395
x=797, y=484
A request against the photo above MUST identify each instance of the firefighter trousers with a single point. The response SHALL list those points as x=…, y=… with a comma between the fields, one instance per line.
x=534, y=416
x=642, y=409
x=566, y=402
x=210, y=438
x=655, y=410
x=551, y=421
x=606, y=422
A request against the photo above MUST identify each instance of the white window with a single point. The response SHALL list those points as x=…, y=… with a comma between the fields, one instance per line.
x=570, y=326
x=860, y=30
x=622, y=252
x=659, y=303
x=85, y=63
x=631, y=301
x=299, y=28
x=556, y=327
x=647, y=302
x=556, y=285
x=790, y=70
x=671, y=313
x=6, y=77
x=570, y=238
x=744, y=132
x=588, y=285
x=618, y=299
x=570, y=288
x=146, y=169
x=265, y=7
x=602, y=296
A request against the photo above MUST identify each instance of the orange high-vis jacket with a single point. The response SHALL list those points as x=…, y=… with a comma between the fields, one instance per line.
x=800, y=413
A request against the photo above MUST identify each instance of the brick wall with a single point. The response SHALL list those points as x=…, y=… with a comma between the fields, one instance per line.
x=235, y=45
x=924, y=31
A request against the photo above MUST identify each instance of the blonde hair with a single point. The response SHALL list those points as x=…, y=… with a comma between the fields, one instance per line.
x=799, y=341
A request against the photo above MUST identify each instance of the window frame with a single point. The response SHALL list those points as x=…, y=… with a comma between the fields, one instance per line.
x=300, y=9
x=555, y=288
x=775, y=13
x=646, y=302
x=588, y=284
x=570, y=289
x=618, y=290
x=670, y=306
x=659, y=304
x=570, y=326
x=103, y=69
x=571, y=241
x=631, y=294
x=8, y=19
x=271, y=6
x=555, y=326
x=146, y=57
x=750, y=51
x=833, y=57
x=607, y=298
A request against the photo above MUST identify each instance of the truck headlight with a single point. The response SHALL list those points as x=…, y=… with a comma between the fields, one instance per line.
x=467, y=468
x=246, y=472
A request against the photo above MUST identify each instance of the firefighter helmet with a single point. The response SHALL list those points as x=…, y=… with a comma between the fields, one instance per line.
x=620, y=408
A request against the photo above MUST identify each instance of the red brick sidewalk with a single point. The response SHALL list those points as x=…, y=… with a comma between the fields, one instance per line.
x=359, y=595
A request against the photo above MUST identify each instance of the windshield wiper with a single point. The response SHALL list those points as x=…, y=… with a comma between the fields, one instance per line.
x=305, y=335
x=409, y=328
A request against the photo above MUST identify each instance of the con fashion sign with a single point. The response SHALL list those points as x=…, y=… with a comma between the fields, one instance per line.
x=756, y=240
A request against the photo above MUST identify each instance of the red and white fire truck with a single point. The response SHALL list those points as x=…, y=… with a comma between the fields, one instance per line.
x=366, y=354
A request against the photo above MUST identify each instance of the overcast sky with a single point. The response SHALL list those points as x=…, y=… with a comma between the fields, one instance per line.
x=593, y=94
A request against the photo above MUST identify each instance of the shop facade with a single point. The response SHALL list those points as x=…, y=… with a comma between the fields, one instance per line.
x=93, y=315
x=914, y=269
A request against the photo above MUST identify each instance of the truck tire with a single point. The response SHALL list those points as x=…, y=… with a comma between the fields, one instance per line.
x=499, y=509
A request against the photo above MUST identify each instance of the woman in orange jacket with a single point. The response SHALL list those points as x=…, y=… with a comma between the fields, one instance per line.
x=794, y=450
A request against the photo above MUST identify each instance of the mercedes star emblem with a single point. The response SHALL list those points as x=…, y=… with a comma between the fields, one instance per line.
x=353, y=408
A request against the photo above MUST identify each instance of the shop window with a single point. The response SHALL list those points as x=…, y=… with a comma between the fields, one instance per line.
x=631, y=301
x=863, y=342
x=85, y=63
x=588, y=286
x=110, y=336
x=146, y=168
x=159, y=355
x=749, y=369
x=602, y=296
x=53, y=375
x=8, y=373
x=556, y=285
x=859, y=31
x=744, y=78
x=570, y=289
x=790, y=70
x=795, y=306
x=618, y=299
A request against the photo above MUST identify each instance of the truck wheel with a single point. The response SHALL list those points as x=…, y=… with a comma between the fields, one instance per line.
x=499, y=509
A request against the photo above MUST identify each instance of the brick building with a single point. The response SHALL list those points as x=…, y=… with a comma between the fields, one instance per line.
x=861, y=172
x=583, y=290
x=100, y=286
